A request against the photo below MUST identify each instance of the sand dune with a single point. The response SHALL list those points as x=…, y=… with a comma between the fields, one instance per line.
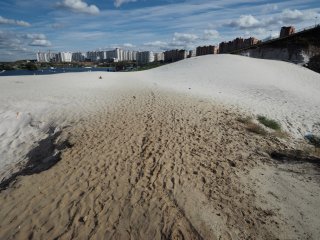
x=157, y=166
x=280, y=90
x=29, y=105
x=152, y=159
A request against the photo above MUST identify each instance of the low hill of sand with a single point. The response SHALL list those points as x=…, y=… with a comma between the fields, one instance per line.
x=159, y=154
x=282, y=91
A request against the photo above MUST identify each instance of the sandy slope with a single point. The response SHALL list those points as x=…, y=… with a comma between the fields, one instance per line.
x=30, y=105
x=158, y=166
x=154, y=156
x=280, y=90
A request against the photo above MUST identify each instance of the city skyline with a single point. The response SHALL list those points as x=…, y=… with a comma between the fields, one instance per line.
x=154, y=25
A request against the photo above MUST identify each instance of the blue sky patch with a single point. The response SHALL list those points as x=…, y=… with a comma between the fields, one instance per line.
x=82, y=25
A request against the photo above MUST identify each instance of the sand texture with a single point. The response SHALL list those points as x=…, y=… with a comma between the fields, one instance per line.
x=31, y=105
x=158, y=167
x=160, y=154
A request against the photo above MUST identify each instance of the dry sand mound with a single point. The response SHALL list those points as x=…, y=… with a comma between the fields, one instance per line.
x=151, y=163
x=282, y=91
x=30, y=105
x=158, y=167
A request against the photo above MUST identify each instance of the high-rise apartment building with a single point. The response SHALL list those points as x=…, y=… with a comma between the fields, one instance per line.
x=45, y=56
x=78, y=57
x=175, y=55
x=64, y=57
x=205, y=50
x=145, y=57
x=159, y=57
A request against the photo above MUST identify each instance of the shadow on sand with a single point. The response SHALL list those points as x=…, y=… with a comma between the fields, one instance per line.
x=40, y=158
x=295, y=156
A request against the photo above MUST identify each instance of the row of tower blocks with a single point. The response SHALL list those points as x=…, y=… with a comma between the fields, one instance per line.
x=120, y=55
x=116, y=55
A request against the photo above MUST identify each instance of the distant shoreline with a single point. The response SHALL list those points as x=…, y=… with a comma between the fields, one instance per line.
x=47, y=71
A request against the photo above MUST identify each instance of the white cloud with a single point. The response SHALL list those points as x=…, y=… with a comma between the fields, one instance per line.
x=38, y=36
x=125, y=45
x=262, y=33
x=245, y=21
x=185, y=37
x=9, y=41
x=118, y=3
x=14, y=22
x=13, y=45
x=270, y=8
x=287, y=16
x=40, y=43
x=184, y=40
x=79, y=6
x=210, y=34
x=128, y=45
x=38, y=39
x=159, y=44
x=165, y=45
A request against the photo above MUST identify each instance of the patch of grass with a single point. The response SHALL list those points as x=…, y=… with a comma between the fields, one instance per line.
x=269, y=123
x=251, y=126
x=255, y=128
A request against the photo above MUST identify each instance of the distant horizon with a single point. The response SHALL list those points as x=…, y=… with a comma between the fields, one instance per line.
x=148, y=25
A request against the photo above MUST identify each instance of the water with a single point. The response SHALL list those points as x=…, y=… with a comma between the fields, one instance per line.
x=54, y=71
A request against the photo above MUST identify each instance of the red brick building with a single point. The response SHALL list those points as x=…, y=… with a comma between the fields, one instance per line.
x=287, y=31
x=205, y=50
x=175, y=55
x=236, y=44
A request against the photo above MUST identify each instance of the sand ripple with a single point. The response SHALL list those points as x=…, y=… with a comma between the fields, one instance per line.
x=157, y=167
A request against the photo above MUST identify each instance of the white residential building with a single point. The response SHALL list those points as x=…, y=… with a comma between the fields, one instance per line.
x=45, y=56
x=95, y=56
x=111, y=55
x=64, y=57
x=42, y=57
x=159, y=57
x=120, y=55
x=192, y=53
x=116, y=55
x=78, y=57
x=101, y=55
x=132, y=56
x=128, y=55
x=145, y=57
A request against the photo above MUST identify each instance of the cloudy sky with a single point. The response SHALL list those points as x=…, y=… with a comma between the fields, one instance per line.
x=27, y=26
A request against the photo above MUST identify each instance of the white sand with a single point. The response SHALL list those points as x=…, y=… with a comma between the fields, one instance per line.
x=279, y=90
x=155, y=156
x=29, y=105
x=157, y=166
